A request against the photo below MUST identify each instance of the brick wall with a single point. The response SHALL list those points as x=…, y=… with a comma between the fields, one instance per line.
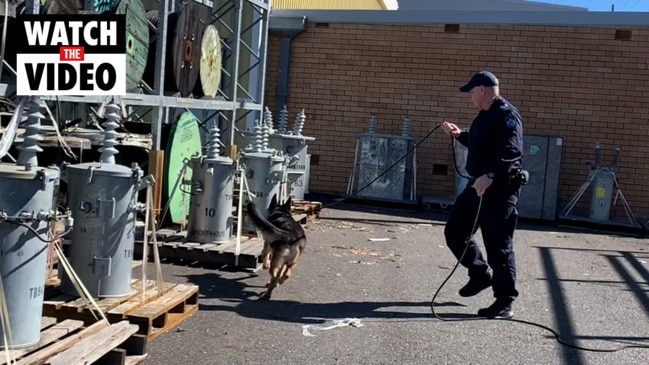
x=577, y=82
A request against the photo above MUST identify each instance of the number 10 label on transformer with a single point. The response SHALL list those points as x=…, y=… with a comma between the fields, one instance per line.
x=71, y=54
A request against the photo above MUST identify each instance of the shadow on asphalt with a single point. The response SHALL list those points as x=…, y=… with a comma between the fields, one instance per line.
x=243, y=298
x=563, y=317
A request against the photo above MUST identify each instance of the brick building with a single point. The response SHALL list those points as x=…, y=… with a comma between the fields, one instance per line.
x=580, y=75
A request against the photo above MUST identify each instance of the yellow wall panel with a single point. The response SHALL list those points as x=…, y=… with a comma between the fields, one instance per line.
x=329, y=4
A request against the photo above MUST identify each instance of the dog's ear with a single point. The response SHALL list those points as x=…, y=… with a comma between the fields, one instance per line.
x=273, y=201
x=288, y=203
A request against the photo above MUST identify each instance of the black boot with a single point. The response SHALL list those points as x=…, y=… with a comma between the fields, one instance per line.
x=476, y=284
x=501, y=308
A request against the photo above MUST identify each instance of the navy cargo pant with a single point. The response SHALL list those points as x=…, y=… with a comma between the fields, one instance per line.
x=497, y=222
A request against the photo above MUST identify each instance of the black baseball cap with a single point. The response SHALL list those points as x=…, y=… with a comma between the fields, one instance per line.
x=482, y=78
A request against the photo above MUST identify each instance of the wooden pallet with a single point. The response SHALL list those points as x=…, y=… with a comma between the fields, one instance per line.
x=305, y=211
x=53, y=278
x=70, y=342
x=154, y=314
x=172, y=244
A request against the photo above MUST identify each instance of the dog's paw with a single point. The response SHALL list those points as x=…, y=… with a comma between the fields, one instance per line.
x=264, y=297
x=265, y=266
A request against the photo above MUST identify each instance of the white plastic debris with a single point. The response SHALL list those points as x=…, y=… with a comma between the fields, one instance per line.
x=330, y=324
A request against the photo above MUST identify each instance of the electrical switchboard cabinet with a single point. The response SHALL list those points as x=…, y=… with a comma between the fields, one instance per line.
x=377, y=153
x=542, y=158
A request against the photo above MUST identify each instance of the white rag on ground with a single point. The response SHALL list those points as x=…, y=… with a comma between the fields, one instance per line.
x=330, y=324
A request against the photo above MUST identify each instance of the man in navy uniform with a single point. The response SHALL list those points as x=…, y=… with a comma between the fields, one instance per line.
x=495, y=148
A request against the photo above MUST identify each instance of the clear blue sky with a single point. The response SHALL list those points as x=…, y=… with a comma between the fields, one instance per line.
x=604, y=5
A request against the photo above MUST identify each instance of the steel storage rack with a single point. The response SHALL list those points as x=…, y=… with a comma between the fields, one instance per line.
x=243, y=29
x=240, y=28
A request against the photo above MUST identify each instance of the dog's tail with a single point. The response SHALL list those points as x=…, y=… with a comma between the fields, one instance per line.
x=263, y=224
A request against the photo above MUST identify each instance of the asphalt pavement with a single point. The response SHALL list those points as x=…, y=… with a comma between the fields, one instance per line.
x=375, y=271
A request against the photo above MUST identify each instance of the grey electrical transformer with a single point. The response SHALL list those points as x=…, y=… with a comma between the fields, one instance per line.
x=295, y=149
x=378, y=153
x=603, y=184
x=27, y=195
x=26, y=206
x=265, y=172
x=391, y=157
x=602, y=198
x=294, y=146
x=103, y=199
x=212, y=190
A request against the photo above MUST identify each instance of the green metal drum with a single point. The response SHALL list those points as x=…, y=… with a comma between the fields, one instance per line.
x=137, y=37
x=184, y=142
x=101, y=6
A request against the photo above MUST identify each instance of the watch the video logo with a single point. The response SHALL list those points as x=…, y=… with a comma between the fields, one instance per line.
x=72, y=55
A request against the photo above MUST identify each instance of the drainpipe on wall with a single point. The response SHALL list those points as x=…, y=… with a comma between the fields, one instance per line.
x=287, y=29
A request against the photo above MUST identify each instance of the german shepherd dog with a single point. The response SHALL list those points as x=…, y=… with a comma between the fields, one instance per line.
x=284, y=241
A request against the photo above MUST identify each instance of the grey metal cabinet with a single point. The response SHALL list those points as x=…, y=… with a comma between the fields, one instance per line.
x=377, y=153
x=542, y=158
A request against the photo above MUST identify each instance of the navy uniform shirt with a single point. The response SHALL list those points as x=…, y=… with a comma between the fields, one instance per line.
x=495, y=141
